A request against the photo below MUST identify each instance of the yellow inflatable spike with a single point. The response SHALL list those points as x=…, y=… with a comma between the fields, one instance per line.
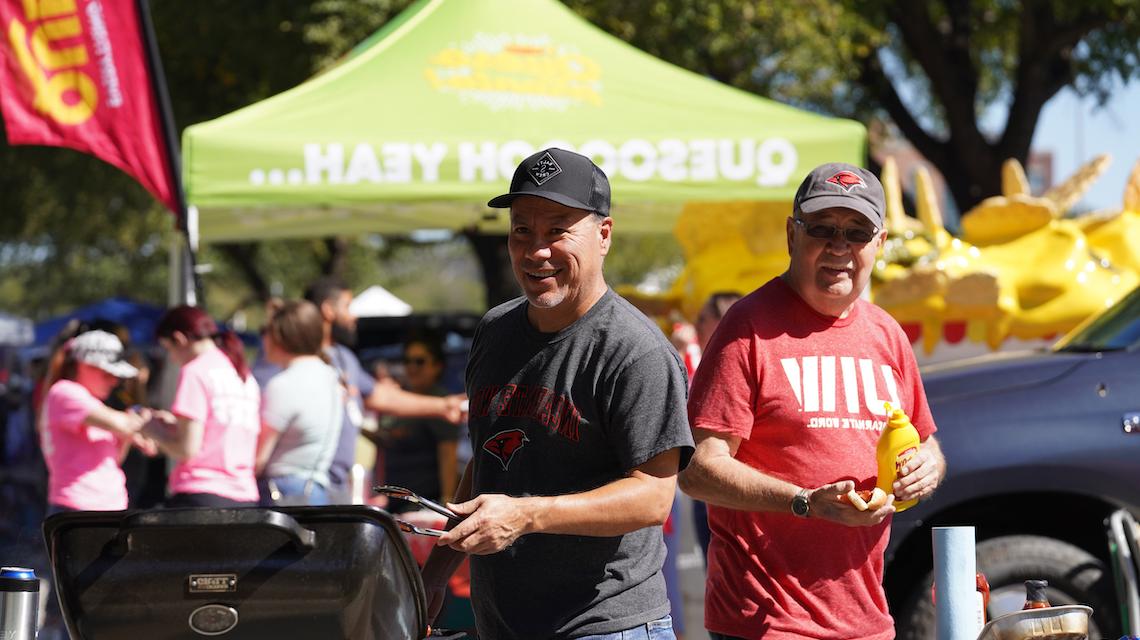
x=929, y=211
x=889, y=176
x=1000, y=219
x=1132, y=190
x=1066, y=194
x=1013, y=180
x=1093, y=220
x=898, y=223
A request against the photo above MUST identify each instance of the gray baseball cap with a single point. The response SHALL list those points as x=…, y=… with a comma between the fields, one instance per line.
x=561, y=176
x=838, y=184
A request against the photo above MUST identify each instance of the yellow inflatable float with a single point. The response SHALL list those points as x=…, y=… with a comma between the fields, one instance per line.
x=1021, y=274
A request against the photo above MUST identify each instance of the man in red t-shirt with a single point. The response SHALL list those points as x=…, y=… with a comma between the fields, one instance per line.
x=786, y=408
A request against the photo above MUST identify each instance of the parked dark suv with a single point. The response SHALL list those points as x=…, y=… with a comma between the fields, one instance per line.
x=1041, y=447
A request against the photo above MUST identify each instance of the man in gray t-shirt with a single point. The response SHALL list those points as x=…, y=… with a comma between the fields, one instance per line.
x=577, y=419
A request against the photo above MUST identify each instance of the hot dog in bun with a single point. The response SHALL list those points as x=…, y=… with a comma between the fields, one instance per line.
x=869, y=499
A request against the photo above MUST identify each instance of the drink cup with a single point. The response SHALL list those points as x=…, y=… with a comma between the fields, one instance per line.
x=19, y=602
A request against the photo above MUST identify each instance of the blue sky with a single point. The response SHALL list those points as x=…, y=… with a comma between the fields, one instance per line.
x=1077, y=130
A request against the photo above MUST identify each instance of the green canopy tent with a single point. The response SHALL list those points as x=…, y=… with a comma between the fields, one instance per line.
x=427, y=119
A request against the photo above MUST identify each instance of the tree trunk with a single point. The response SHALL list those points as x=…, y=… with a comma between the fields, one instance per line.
x=243, y=255
x=336, y=258
x=495, y=263
x=973, y=178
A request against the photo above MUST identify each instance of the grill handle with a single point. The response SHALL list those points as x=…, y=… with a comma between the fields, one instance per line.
x=303, y=538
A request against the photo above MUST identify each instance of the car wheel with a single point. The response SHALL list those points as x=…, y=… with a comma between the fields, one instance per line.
x=1075, y=577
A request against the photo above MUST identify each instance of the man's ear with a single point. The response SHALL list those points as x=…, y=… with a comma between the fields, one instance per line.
x=605, y=231
x=790, y=228
x=328, y=311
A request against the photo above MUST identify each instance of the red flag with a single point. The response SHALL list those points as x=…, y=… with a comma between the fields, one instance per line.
x=74, y=73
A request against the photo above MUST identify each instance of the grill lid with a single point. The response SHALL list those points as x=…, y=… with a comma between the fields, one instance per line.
x=290, y=572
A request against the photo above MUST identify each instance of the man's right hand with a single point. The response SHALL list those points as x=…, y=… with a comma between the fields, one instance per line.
x=826, y=505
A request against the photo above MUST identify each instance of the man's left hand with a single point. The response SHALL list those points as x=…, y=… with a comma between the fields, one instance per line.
x=922, y=474
x=492, y=523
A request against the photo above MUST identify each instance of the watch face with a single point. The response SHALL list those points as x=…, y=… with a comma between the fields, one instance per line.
x=800, y=505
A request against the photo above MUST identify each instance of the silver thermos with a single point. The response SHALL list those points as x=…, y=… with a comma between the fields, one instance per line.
x=19, y=603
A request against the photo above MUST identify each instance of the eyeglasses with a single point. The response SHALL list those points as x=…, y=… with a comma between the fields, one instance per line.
x=419, y=362
x=854, y=235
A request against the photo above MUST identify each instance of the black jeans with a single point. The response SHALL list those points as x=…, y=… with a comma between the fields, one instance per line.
x=720, y=636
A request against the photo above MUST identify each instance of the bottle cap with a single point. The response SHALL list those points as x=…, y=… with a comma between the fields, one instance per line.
x=896, y=417
x=1035, y=590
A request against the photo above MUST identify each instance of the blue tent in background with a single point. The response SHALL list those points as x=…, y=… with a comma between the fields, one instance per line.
x=139, y=318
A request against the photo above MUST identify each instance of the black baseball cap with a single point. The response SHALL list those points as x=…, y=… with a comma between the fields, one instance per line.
x=838, y=184
x=560, y=176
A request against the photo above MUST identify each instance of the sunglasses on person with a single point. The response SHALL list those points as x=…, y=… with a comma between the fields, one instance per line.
x=417, y=362
x=854, y=235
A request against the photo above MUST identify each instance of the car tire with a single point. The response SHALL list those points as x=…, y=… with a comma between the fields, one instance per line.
x=1074, y=575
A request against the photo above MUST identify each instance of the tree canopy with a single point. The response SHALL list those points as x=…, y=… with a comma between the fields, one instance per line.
x=929, y=67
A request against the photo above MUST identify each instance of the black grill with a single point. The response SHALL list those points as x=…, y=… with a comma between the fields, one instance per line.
x=237, y=574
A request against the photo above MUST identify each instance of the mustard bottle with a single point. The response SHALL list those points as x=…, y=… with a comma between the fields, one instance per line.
x=898, y=443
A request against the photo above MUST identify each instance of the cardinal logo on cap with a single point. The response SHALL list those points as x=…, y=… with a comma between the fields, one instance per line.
x=544, y=169
x=847, y=180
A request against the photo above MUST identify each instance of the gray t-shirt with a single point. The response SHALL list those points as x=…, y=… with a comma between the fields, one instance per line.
x=305, y=404
x=567, y=412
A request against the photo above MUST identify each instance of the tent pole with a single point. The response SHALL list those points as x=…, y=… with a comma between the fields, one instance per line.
x=194, y=293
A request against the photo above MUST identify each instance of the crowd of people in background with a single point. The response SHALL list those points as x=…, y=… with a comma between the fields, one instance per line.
x=575, y=377
x=282, y=433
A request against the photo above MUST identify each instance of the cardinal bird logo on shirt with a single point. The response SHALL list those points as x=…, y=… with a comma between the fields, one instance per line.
x=847, y=180
x=505, y=444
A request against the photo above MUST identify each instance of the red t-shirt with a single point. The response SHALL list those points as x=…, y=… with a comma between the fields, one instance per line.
x=804, y=392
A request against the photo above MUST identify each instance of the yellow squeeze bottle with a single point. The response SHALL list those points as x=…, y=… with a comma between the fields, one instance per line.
x=898, y=443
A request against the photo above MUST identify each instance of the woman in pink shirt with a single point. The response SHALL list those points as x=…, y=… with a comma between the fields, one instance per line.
x=212, y=432
x=84, y=441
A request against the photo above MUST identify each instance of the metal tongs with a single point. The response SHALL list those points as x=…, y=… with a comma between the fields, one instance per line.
x=412, y=496
x=408, y=527
x=407, y=494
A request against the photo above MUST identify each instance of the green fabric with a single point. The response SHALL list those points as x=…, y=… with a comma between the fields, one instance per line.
x=422, y=127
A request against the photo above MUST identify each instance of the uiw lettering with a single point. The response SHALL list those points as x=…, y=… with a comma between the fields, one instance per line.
x=818, y=384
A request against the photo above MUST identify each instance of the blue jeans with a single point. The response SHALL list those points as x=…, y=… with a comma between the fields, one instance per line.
x=660, y=629
x=293, y=490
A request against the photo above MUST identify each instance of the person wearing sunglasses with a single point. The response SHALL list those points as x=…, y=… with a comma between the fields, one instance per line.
x=786, y=408
x=419, y=453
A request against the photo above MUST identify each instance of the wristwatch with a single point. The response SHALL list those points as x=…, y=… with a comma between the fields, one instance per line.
x=801, y=506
